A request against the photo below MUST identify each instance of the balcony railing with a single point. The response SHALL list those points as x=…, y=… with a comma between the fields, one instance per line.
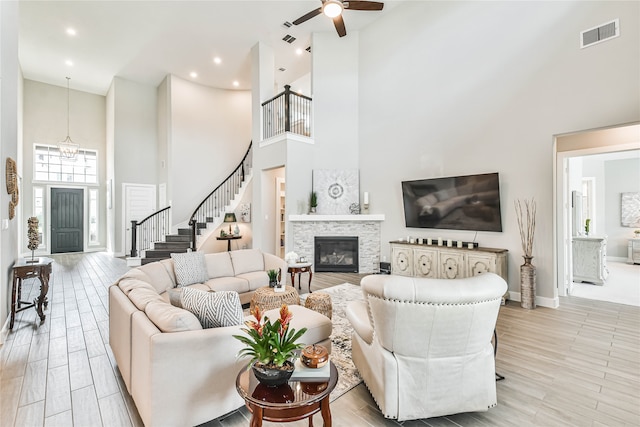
x=286, y=112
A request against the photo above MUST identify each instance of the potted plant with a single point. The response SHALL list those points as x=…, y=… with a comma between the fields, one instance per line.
x=271, y=346
x=273, y=278
x=313, y=202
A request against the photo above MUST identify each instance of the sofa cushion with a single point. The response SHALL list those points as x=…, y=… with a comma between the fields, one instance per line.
x=190, y=268
x=141, y=296
x=158, y=274
x=247, y=260
x=255, y=279
x=213, y=309
x=219, y=265
x=173, y=297
x=228, y=284
x=171, y=319
x=127, y=284
x=319, y=326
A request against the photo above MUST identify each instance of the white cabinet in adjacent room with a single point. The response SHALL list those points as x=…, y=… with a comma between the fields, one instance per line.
x=590, y=259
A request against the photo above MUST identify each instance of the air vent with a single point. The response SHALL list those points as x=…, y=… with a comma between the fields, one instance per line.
x=287, y=24
x=600, y=33
x=289, y=38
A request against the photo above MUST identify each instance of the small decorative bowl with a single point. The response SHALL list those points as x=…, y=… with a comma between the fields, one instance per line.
x=314, y=356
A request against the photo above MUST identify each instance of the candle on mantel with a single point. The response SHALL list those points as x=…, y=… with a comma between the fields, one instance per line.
x=366, y=197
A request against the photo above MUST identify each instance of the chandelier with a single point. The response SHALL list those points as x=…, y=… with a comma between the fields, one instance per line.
x=67, y=148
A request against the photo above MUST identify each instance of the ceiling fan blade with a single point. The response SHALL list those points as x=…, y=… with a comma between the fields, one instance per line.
x=307, y=16
x=364, y=5
x=339, y=24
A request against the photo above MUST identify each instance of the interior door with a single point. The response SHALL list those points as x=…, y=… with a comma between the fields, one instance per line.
x=67, y=220
x=139, y=202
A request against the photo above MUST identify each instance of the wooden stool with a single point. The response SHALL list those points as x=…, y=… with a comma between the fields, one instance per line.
x=320, y=303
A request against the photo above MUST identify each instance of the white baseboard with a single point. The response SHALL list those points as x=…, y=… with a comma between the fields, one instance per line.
x=617, y=259
x=5, y=330
x=541, y=301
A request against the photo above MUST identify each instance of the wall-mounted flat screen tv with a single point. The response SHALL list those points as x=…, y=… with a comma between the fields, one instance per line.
x=470, y=202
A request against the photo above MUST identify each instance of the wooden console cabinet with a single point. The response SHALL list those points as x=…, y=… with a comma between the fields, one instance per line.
x=590, y=259
x=443, y=262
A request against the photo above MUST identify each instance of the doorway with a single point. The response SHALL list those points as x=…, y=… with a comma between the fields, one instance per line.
x=139, y=202
x=571, y=146
x=67, y=220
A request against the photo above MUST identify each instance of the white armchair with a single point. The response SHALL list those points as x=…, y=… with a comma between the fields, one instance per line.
x=423, y=346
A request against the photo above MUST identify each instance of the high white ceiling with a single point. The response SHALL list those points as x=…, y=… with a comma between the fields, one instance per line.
x=143, y=41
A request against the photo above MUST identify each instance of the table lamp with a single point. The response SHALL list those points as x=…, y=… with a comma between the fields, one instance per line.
x=230, y=218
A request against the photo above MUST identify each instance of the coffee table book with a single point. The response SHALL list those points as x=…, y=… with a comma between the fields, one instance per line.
x=303, y=373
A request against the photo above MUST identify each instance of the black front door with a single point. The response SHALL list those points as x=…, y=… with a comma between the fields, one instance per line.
x=67, y=223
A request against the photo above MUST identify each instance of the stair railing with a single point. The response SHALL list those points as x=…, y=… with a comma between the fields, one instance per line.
x=288, y=111
x=216, y=202
x=149, y=230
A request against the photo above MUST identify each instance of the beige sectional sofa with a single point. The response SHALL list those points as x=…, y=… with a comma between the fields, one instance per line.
x=177, y=372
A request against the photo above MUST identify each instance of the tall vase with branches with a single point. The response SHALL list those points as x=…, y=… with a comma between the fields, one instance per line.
x=526, y=216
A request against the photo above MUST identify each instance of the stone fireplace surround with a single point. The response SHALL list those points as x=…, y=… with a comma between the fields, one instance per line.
x=365, y=227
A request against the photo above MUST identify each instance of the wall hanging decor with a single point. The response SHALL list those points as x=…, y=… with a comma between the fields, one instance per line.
x=336, y=190
x=12, y=185
x=630, y=209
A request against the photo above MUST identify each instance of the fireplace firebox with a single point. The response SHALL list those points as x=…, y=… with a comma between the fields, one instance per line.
x=336, y=254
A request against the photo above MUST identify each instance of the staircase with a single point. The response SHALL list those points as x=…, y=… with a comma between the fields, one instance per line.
x=207, y=217
x=173, y=243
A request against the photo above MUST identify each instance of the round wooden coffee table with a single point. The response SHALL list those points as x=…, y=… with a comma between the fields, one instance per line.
x=293, y=401
x=267, y=298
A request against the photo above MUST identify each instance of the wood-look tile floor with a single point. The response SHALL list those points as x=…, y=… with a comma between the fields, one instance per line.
x=578, y=365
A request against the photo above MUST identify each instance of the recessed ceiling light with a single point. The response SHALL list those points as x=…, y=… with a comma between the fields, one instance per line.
x=235, y=83
x=69, y=63
x=299, y=51
x=71, y=31
x=217, y=60
x=193, y=74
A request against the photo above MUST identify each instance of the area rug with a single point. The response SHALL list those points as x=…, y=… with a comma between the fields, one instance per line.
x=348, y=375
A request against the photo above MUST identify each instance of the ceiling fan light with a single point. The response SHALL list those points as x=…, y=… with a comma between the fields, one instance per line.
x=332, y=8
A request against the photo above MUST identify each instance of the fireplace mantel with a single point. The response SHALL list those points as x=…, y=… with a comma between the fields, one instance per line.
x=315, y=217
x=366, y=227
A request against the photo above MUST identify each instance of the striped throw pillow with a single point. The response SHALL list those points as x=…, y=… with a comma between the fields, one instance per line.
x=213, y=309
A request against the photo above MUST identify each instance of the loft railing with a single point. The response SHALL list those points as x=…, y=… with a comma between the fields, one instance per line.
x=216, y=202
x=151, y=229
x=286, y=112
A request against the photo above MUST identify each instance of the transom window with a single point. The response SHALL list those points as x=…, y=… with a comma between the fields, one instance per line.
x=50, y=166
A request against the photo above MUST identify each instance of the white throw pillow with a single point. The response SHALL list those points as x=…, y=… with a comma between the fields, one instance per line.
x=190, y=268
x=213, y=309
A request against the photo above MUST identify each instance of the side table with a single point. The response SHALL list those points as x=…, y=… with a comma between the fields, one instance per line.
x=286, y=403
x=267, y=298
x=25, y=269
x=299, y=268
x=229, y=239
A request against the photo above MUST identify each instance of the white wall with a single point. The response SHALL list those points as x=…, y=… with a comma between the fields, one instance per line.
x=452, y=88
x=210, y=131
x=10, y=118
x=621, y=176
x=45, y=122
x=135, y=145
x=335, y=101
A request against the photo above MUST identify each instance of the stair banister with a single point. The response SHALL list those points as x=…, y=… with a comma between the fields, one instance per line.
x=152, y=229
x=220, y=197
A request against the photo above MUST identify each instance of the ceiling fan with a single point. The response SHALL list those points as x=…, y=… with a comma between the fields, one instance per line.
x=333, y=9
